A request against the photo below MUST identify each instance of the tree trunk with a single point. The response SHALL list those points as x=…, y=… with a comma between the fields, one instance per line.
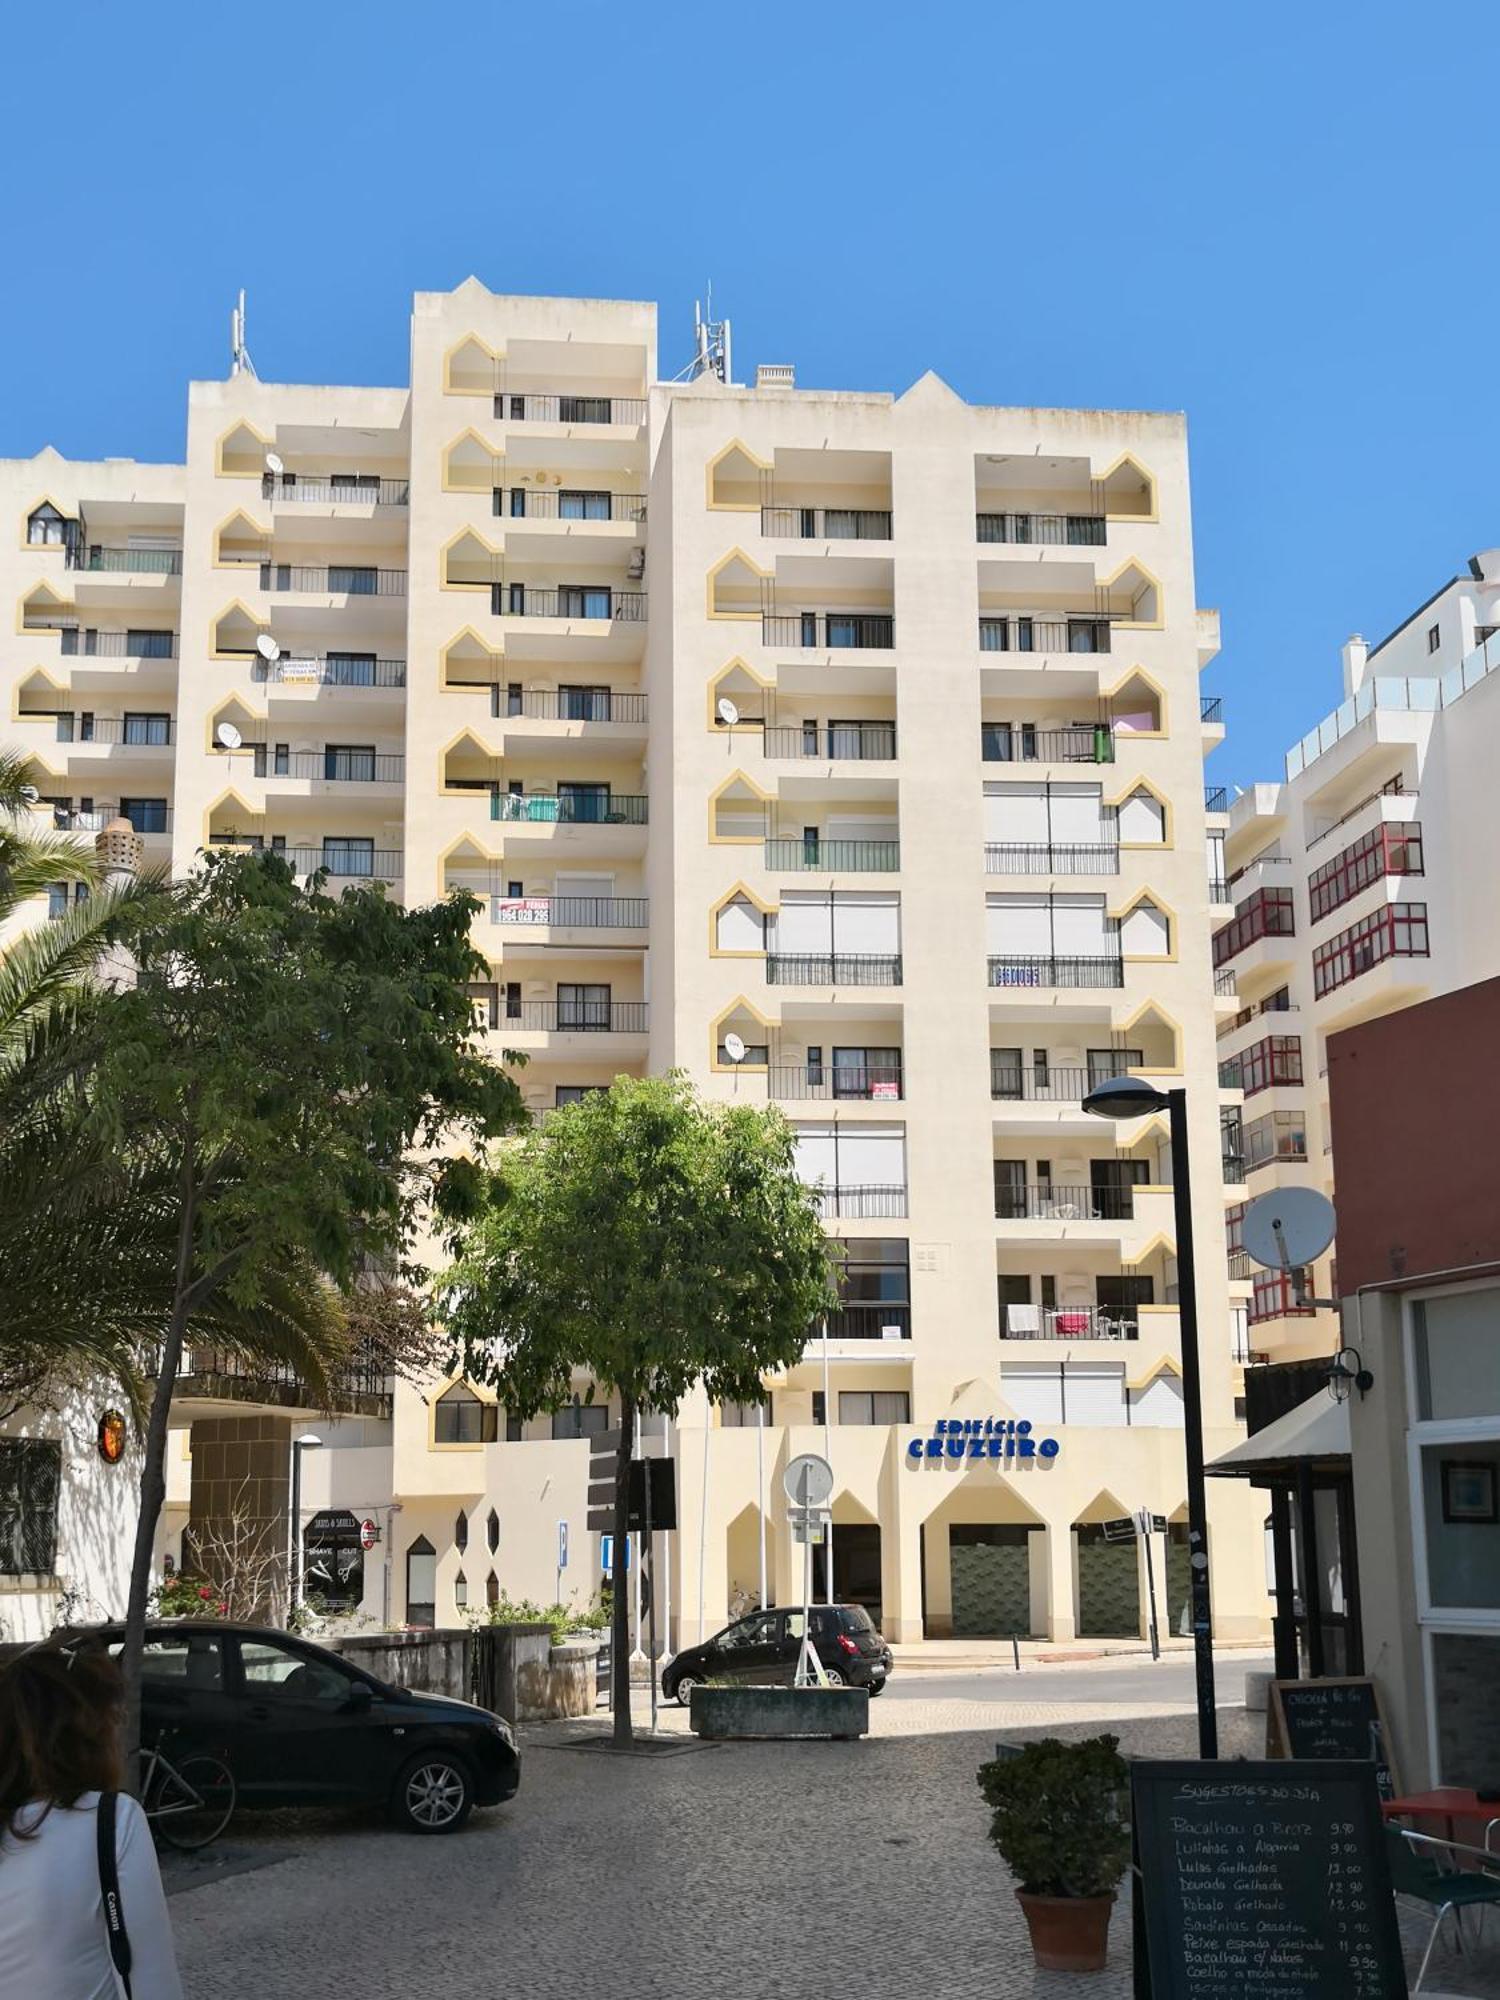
x=619, y=1665
x=153, y=1480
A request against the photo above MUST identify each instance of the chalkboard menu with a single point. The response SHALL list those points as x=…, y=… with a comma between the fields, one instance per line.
x=1332, y=1718
x=1262, y=1881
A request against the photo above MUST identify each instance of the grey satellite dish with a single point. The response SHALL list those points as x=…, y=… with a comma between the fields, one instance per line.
x=729, y=715
x=227, y=736
x=30, y=794
x=1287, y=1228
x=274, y=465
x=808, y=1480
x=267, y=647
x=734, y=1048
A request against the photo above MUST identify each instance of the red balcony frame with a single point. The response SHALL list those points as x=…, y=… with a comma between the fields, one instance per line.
x=1397, y=931
x=1267, y=913
x=1393, y=848
x=1272, y=1297
x=1265, y=1065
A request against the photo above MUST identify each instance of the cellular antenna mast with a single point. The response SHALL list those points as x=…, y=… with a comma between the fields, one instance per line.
x=711, y=345
x=239, y=355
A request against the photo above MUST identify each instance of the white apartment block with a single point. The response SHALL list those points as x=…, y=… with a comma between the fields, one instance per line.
x=1361, y=882
x=842, y=750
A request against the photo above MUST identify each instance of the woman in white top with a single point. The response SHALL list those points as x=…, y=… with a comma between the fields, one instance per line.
x=59, y=1749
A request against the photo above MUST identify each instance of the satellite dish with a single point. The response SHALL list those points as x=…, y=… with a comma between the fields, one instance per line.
x=30, y=794
x=274, y=464
x=267, y=647
x=808, y=1480
x=1287, y=1228
x=227, y=736
x=728, y=713
x=734, y=1048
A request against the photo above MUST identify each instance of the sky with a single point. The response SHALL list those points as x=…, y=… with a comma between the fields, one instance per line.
x=1276, y=218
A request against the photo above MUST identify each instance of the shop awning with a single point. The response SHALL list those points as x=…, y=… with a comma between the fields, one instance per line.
x=1314, y=1433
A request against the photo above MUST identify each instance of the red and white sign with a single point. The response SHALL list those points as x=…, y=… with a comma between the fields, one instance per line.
x=369, y=1534
x=522, y=909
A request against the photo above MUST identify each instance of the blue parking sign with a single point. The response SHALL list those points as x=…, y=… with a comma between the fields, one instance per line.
x=562, y=1544
x=607, y=1554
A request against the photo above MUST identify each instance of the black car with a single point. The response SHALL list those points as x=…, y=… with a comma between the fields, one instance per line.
x=298, y=1726
x=763, y=1648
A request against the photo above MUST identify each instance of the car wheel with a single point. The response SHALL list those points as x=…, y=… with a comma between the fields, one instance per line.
x=877, y=1687
x=683, y=1689
x=834, y=1678
x=434, y=1794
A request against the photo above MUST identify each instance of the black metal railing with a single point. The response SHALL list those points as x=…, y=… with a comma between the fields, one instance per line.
x=1041, y=857
x=523, y=503
x=570, y=808
x=137, y=562
x=1020, y=634
x=577, y=1017
x=242, y=1375
x=862, y=1321
x=851, y=741
x=145, y=816
x=863, y=1202
x=833, y=524
x=1046, y=969
x=360, y=864
x=334, y=671
x=858, y=968
x=522, y=600
x=1046, y=1201
x=338, y=579
x=565, y=704
x=337, y=767
x=1029, y=1084
x=608, y=913
x=141, y=732
x=1068, y=1323
x=560, y=409
x=356, y=490
x=1215, y=799
x=871, y=857
x=1226, y=982
x=1019, y=743
x=836, y=630
x=78, y=643
x=1071, y=530
x=867, y=1083
x=1211, y=707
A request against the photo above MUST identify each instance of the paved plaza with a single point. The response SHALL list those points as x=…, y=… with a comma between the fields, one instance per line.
x=745, y=1871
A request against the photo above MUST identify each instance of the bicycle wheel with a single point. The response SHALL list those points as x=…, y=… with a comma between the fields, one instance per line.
x=189, y=1804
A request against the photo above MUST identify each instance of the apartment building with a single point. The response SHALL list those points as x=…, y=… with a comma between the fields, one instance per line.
x=842, y=750
x=1359, y=883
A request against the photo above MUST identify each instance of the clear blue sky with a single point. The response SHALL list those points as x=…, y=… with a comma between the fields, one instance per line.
x=1278, y=218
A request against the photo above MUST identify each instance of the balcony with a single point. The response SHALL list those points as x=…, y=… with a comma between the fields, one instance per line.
x=523, y=913
x=1076, y=531
x=334, y=580
x=588, y=807
x=1241, y=1270
x=96, y=559
x=1388, y=849
x=855, y=857
x=861, y=1203
x=856, y=742
x=1273, y=1063
x=1019, y=743
x=332, y=766
x=146, y=816
x=838, y=969
x=835, y=631
x=1218, y=889
x=1024, y=969
x=1267, y=913
x=827, y=524
x=346, y=860
x=1027, y=1084
x=862, y=1321
x=578, y=704
x=557, y=408
x=88, y=645
x=338, y=670
x=1068, y=1323
x=338, y=490
x=574, y=1017
x=1211, y=708
x=863, y=1083
x=1022, y=633
x=138, y=732
x=1050, y=1202
x=1215, y=799
x=222, y=1376
x=1397, y=931
x=601, y=602
x=1033, y=857
x=524, y=503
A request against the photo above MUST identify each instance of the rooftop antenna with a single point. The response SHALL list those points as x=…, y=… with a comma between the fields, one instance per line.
x=711, y=345
x=239, y=355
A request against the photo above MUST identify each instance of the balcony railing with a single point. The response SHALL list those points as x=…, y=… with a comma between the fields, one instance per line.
x=1017, y=633
x=1240, y=1267
x=1215, y=799
x=576, y=1017
x=1085, y=531
x=337, y=579
x=1019, y=743
x=522, y=600
x=356, y=490
x=226, y=1375
x=1394, y=847
x=570, y=808
x=1264, y=913
x=835, y=630
x=1028, y=969
x=1041, y=857
x=843, y=741
x=1234, y=1169
x=134, y=562
x=523, y=503
x=560, y=409
x=1226, y=982
x=1270, y=1064
x=145, y=816
x=606, y=913
x=1211, y=708
x=832, y=524
x=867, y=1083
x=866, y=1203
x=1048, y=1202
x=1025, y=1083
x=356, y=671
x=1218, y=889
x=347, y=862
x=1397, y=931
x=334, y=767
x=857, y=968
x=87, y=645
x=142, y=732
x=870, y=857
x=1067, y=1323
x=861, y=1321
x=565, y=704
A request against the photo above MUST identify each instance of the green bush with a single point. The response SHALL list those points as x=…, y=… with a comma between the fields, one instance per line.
x=562, y=1618
x=1060, y=1815
x=186, y=1597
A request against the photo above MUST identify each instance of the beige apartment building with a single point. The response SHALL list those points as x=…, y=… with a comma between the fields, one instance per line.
x=842, y=750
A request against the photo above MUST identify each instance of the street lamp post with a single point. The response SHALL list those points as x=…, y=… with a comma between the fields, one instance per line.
x=309, y=1441
x=1133, y=1097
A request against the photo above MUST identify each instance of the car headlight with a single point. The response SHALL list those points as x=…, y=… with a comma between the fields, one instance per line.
x=504, y=1731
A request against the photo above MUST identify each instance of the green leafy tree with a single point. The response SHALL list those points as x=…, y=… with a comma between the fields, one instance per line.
x=652, y=1240
x=301, y=1079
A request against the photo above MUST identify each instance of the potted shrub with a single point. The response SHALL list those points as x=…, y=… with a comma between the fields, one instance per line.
x=1060, y=1818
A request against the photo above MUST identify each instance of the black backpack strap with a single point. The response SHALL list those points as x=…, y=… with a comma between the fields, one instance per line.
x=109, y=1888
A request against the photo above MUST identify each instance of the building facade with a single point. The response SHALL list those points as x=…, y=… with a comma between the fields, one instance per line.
x=754, y=717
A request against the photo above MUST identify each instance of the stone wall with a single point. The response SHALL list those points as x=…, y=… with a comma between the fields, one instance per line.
x=528, y=1679
x=241, y=1492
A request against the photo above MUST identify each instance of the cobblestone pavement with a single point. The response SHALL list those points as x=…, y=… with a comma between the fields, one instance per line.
x=744, y=1871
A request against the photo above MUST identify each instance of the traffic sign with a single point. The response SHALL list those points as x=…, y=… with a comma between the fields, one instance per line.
x=808, y=1480
x=607, y=1554
x=1122, y=1530
x=562, y=1544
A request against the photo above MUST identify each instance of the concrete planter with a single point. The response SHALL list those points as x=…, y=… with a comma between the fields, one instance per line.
x=780, y=1712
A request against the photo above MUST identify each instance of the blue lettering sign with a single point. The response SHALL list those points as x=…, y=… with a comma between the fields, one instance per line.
x=963, y=1440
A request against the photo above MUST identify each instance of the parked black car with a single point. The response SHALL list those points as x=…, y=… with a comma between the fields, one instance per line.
x=762, y=1650
x=298, y=1726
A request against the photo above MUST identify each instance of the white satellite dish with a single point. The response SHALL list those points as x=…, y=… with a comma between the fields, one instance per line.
x=30, y=794
x=274, y=464
x=1287, y=1228
x=734, y=1048
x=227, y=736
x=267, y=647
x=729, y=715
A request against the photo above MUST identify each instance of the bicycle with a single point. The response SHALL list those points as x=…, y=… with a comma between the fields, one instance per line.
x=188, y=1804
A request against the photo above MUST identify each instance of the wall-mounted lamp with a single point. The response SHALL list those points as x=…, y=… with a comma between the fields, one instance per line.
x=1347, y=1371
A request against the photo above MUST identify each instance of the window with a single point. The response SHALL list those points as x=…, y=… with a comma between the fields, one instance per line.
x=461, y=1418
x=757, y=1055
x=461, y=1531
x=1268, y=913
x=461, y=1591
x=349, y=854
x=1280, y=1135
x=148, y=729
x=45, y=529
x=575, y=1093
x=760, y=1630
x=874, y=1282
x=874, y=1406
x=492, y=1527
x=354, y=485
x=30, y=1475
x=57, y=901
x=583, y=704
x=492, y=1589
x=357, y=580
x=182, y=1660
x=145, y=815
x=579, y=600
x=276, y=1671
x=819, y=1407
x=149, y=645
x=421, y=1584
x=355, y=761
x=744, y=1416
x=1274, y=1295
x=1391, y=849
x=576, y=504
x=582, y=409
x=578, y=1420
x=1434, y=638
x=515, y=1430
x=1398, y=931
x=585, y=1008
x=350, y=670
x=1275, y=1061
x=484, y=997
